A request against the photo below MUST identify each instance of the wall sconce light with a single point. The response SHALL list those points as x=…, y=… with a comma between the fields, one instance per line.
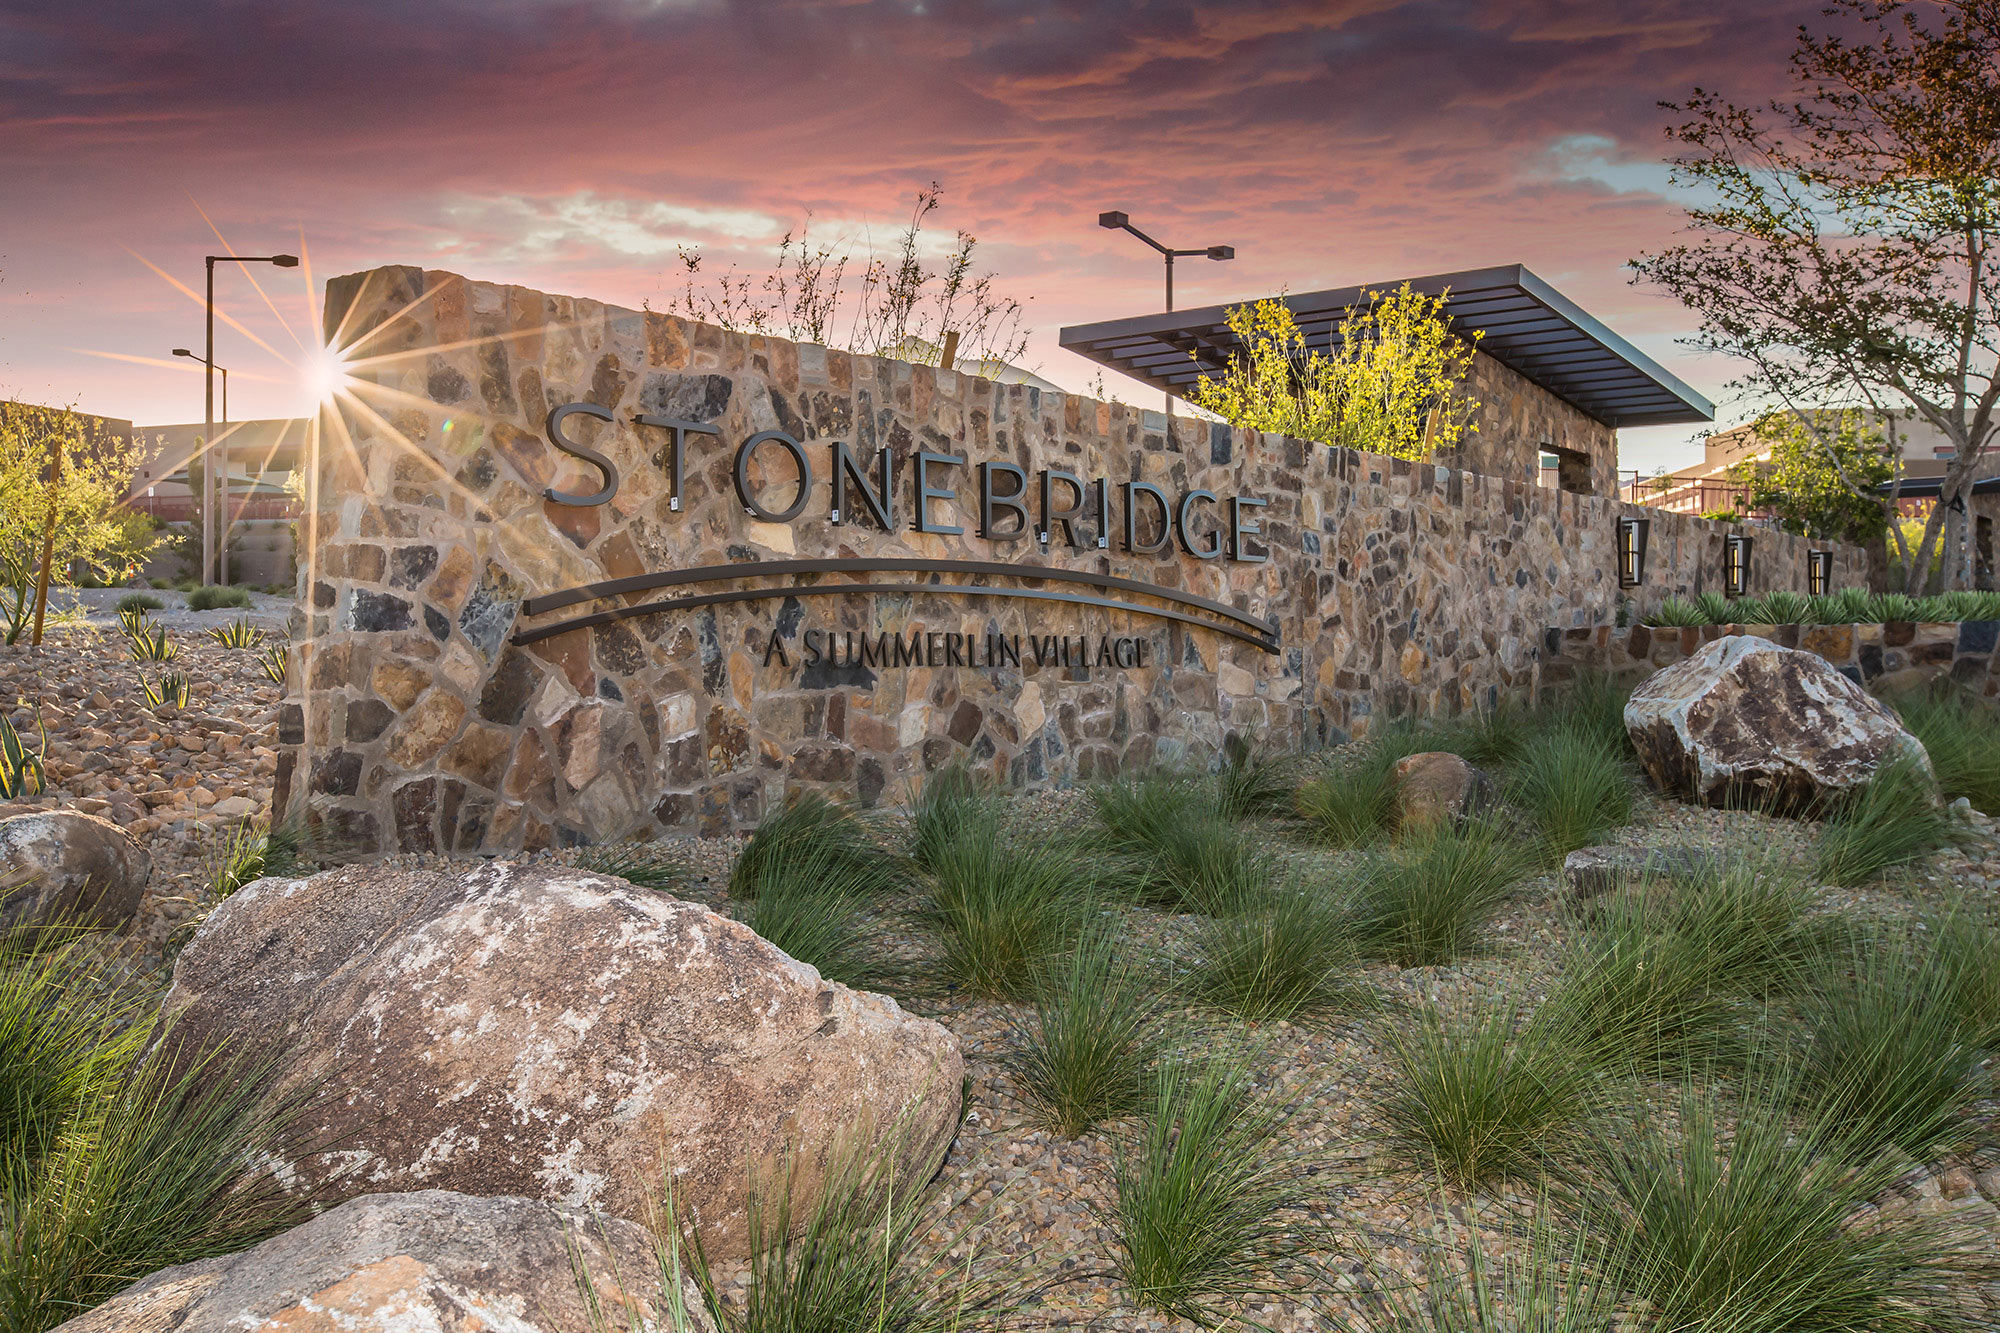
x=1819, y=572
x=1735, y=565
x=1632, y=534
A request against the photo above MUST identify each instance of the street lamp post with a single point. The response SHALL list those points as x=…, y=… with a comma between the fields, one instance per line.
x=208, y=440
x=222, y=541
x=1120, y=222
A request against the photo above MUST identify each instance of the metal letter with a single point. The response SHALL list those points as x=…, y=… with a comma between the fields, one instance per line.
x=557, y=416
x=1214, y=547
x=1052, y=516
x=750, y=502
x=676, y=464
x=1238, y=530
x=1133, y=490
x=881, y=503
x=927, y=493
x=989, y=500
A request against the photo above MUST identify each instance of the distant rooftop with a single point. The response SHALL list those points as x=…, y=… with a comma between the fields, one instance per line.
x=1528, y=326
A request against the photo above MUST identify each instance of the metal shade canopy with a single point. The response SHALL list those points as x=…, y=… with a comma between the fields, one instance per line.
x=1527, y=326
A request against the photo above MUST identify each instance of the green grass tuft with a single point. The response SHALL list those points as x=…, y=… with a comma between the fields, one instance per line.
x=1893, y=820
x=825, y=930
x=1245, y=788
x=1004, y=907
x=1424, y=903
x=1085, y=1056
x=1173, y=847
x=843, y=845
x=1574, y=786
x=951, y=798
x=1961, y=734
x=1283, y=954
x=211, y=598
x=647, y=865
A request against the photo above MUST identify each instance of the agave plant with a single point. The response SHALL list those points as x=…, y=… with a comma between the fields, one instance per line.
x=154, y=645
x=22, y=772
x=132, y=619
x=1752, y=611
x=1677, y=612
x=1851, y=605
x=1715, y=606
x=1785, y=607
x=274, y=659
x=240, y=634
x=172, y=690
x=1892, y=606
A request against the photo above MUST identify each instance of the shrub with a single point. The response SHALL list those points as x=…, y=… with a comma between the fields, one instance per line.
x=212, y=598
x=1083, y=1058
x=1886, y=606
x=1210, y=1193
x=1175, y=848
x=1573, y=786
x=1285, y=954
x=1482, y=1099
x=1886, y=1059
x=1005, y=907
x=1424, y=903
x=139, y=601
x=1782, y=606
x=1961, y=734
x=1767, y=1228
x=1892, y=820
x=647, y=865
x=841, y=843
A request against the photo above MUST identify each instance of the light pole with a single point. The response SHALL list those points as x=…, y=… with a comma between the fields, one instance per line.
x=1120, y=222
x=208, y=526
x=222, y=543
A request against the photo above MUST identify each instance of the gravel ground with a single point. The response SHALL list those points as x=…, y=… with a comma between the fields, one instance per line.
x=1036, y=1197
x=100, y=607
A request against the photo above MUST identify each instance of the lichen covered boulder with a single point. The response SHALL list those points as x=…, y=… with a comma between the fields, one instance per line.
x=1746, y=722
x=543, y=1031
x=398, y=1263
x=63, y=866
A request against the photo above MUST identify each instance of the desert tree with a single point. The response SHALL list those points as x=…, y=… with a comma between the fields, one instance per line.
x=1842, y=245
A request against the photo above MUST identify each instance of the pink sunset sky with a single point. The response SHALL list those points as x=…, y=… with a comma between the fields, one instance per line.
x=571, y=145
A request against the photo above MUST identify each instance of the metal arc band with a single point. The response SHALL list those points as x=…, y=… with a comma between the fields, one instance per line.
x=670, y=578
x=526, y=636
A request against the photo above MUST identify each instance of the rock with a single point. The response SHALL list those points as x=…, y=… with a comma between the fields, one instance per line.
x=68, y=866
x=1594, y=870
x=389, y=1263
x=1438, y=785
x=234, y=807
x=1746, y=722
x=511, y=1029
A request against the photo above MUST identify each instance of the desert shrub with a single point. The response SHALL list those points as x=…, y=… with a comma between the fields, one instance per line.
x=139, y=601
x=1961, y=734
x=211, y=597
x=1005, y=907
x=841, y=843
x=1175, y=849
x=1886, y=1060
x=1424, y=903
x=646, y=864
x=1766, y=1227
x=1479, y=1099
x=1282, y=954
x=1892, y=820
x=1574, y=786
x=1084, y=1056
x=1210, y=1193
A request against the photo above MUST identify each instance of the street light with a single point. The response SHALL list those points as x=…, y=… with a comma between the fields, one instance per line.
x=1120, y=222
x=208, y=440
x=223, y=544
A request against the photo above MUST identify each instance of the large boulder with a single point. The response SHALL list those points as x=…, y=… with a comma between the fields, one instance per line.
x=1437, y=786
x=393, y=1263
x=63, y=866
x=1746, y=722
x=539, y=1030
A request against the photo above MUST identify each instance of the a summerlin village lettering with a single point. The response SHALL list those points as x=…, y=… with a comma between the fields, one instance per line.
x=1204, y=525
x=935, y=648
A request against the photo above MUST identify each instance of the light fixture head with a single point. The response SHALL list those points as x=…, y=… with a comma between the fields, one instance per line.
x=285, y=261
x=182, y=351
x=1222, y=252
x=1113, y=221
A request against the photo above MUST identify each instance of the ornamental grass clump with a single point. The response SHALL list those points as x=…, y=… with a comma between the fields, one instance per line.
x=1479, y=1099
x=645, y=864
x=1965, y=965
x=1573, y=786
x=1084, y=1056
x=843, y=845
x=1004, y=907
x=1754, y=1221
x=1352, y=802
x=1892, y=820
x=1173, y=847
x=1424, y=903
x=951, y=799
x=1593, y=704
x=1961, y=734
x=64, y=1036
x=1212, y=1193
x=826, y=931
x=251, y=852
x=1284, y=954
x=1555, y=1286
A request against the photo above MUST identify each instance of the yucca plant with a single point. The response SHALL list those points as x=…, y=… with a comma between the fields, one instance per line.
x=238, y=634
x=1084, y=1056
x=1424, y=903
x=1675, y=611
x=1283, y=954
x=1212, y=1194
x=170, y=691
x=274, y=659
x=1573, y=785
x=153, y=645
x=1483, y=1098
x=1767, y=1227
x=1851, y=605
x=1892, y=820
x=23, y=772
x=1715, y=607
x=846, y=845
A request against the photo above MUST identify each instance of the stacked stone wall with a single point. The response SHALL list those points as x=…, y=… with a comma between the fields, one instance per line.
x=415, y=720
x=1895, y=657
